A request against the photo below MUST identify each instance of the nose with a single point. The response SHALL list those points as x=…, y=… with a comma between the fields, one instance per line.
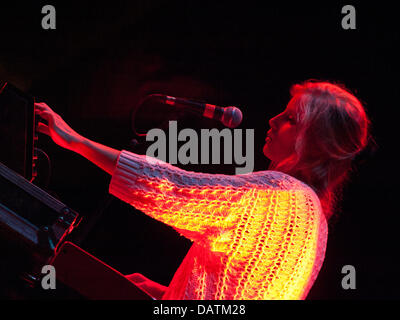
x=272, y=122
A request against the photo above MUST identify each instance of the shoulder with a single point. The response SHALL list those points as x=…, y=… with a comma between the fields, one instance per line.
x=284, y=182
x=278, y=180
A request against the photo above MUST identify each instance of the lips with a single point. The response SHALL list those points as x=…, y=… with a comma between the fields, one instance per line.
x=268, y=137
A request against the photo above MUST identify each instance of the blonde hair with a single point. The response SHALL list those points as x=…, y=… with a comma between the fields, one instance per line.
x=333, y=129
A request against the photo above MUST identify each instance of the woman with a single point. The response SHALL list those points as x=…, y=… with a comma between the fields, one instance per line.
x=260, y=235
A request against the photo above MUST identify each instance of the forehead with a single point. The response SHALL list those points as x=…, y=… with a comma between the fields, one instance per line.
x=292, y=105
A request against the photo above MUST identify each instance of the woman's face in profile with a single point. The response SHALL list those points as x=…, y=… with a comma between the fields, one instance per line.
x=281, y=138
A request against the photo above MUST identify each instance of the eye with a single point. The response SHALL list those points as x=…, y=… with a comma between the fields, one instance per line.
x=292, y=119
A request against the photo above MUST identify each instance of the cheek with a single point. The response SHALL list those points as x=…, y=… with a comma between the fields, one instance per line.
x=283, y=144
x=287, y=139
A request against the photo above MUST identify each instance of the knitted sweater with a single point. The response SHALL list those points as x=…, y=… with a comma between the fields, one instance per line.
x=259, y=235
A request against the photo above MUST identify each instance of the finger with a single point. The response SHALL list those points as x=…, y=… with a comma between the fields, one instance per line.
x=42, y=128
x=48, y=116
x=41, y=106
x=37, y=111
x=137, y=277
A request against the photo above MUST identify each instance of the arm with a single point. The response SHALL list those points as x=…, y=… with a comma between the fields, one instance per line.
x=205, y=208
x=160, y=190
x=62, y=134
x=102, y=156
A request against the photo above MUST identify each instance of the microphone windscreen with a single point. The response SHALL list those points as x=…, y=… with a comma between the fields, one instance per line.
x=232, y=117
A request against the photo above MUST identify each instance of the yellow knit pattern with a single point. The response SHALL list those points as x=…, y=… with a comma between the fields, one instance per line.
x=256, y=236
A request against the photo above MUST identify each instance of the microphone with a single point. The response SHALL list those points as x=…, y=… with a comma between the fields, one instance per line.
x=231, y=117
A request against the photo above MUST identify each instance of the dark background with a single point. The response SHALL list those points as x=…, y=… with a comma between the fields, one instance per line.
x=103, y=58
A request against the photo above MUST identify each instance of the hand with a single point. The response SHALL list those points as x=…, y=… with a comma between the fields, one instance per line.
x=57, y=129
x=153, y=289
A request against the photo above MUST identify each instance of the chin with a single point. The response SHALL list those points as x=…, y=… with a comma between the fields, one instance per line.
x=270, y=154
x=266, y=152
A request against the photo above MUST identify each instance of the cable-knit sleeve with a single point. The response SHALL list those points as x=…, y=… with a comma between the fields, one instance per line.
x=199, y=206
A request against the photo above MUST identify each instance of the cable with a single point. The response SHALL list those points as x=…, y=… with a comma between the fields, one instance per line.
x=136, y=108
x=47, y=182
